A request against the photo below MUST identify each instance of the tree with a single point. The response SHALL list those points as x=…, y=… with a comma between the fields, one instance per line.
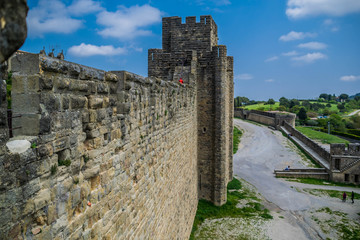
x=324, y=96
x=294, y=102
x=341, y=107
x=306, y=104
x=343, y=96
x=284, y=102
x=302, y=115
x=337, y=123
x=271, y=101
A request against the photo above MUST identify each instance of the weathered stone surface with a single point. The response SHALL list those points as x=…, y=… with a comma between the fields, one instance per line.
x=18, y=146
x=13, y=29
x=135, y=147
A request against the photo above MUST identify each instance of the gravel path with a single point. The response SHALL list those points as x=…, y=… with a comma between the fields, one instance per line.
x=262, y=150
x=354, y=112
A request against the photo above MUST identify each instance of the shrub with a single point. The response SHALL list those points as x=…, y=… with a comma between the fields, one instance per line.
x=53, y=169
x=354, y=131
x=312, y=122
x=66, y=162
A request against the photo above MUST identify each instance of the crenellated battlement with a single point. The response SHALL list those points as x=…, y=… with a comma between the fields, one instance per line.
x=191, y=35
x=341, y=149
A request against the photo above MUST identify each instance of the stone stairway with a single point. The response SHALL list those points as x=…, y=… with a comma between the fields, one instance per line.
x=318, y=173
x=350, y=165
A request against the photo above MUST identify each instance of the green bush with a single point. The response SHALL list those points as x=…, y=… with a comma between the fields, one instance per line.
x=348, y=135
x=311, y=122
x=354, y=131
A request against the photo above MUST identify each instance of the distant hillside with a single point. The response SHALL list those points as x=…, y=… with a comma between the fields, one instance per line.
x=353, y=96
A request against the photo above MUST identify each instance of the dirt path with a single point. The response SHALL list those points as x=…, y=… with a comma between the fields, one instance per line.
x=354, y=112
x=299, y=213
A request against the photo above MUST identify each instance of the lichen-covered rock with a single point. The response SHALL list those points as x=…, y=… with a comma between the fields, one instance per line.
x=13, y=29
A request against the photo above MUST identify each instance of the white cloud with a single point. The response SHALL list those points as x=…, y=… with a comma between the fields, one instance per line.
x=216, y=2
x=128, y=23
x=244, y=76
x=269, y=80
x=271, y=59
x=53, y=16
x=310, y=57
x=330, y=24
x=291, y=36
x=313, y=45
x=350, y=78
x=81, y=7
x=290, y=54
x=86, y=50
x=297, y=9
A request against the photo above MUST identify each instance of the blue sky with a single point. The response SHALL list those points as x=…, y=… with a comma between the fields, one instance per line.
x=291, y=48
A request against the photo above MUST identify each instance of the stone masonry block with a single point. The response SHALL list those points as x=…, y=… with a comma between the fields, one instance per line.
x=51, y=102
x=78, y=102
x=102, y=88
x=26, y=103
x=27, y=64
x=60, y=144
x=95, y=102
x=18, y=84
x=77, y=85
x=111, y=77
x=46, y=83
x=29, y=123
x=32, y=84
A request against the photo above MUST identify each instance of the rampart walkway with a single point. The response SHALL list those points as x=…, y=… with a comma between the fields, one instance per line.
x=308, y=150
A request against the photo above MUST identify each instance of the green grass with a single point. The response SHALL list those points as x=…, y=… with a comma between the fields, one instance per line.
x=262, y=106
x=323, y=137
x=235, y=184
x=321, y=182
x=236, y=139
x=332, y=108
x=332, y=193
x=207, y=210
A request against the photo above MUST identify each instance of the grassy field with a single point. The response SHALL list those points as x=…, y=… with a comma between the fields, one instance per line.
x=266, y=107
x=323, y=137
x=332, y=108
x=262, y=105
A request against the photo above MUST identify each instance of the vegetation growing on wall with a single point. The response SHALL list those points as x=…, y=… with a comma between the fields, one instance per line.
x=236, y=139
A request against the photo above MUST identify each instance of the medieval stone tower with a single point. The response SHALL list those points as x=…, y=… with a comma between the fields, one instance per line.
x=190, y=51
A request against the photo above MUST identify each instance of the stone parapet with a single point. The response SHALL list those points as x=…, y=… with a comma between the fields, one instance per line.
x=130, y=145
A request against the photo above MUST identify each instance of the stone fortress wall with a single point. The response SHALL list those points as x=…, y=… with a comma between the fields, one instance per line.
x=140, y=151
x=268, y=118
x=343, y=162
